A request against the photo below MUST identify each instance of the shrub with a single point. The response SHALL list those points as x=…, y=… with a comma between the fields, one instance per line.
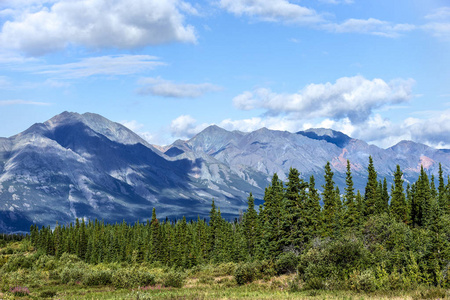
x=294, y=285
x=97, y=277
x=7, y=251
x=124, y=278
x=245, y=273
x=46, y=263
x=225, y=269
x=68, y=259
x=3, y=260
x=431, y=293
x=286, y=263
x=70, y=275
x=17, y=262
x=265, y=268
x=314, y=283
x=174, y=279
x=362, y=281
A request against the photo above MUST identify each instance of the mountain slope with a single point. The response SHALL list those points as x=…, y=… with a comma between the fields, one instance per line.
x=268, y=151
x=87, y=166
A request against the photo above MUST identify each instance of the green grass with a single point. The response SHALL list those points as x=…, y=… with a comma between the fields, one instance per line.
x=43, y=279
x=223, y=287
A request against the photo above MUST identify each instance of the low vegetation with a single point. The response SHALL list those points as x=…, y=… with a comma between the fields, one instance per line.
x=377, y=246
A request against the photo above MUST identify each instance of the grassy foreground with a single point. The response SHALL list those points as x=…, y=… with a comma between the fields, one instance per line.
x=219, y=288
x=27, y=274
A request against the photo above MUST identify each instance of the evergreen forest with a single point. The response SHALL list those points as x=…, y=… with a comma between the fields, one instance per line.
x=389, y=237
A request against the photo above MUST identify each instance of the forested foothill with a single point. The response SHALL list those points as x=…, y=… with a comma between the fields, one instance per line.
x=392, y=239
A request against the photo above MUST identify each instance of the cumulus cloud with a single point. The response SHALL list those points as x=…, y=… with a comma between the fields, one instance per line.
x=11, y=57
x=378, y=130
x=133, y=125
x=272, y=11
x=96, y=24
x=138, y=128
x=185, y=127
x=101, y=65
x=351, y=97
x=369, y=26
x=166, y=88
x=432, y=131
x=22, y=102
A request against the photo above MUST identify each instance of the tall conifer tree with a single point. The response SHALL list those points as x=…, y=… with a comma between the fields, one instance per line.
x=371, y=193
x=399, y=208
x=350, y=218
x=250, y=226
x=312, y=213
x=292, y=210
x=329, y=202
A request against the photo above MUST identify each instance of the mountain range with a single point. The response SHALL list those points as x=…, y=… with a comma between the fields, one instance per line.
x=86, y=166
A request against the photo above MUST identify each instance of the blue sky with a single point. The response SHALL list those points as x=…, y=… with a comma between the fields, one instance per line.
x=376, y=70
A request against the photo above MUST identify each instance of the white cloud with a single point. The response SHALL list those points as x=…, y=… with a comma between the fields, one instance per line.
x=290, y=13
x=11, y=57
x=185, y=127
x=138, y=128
x=38, y=29
x=439, y=14
x=272, y=11
x=439, y=29
x=432, y=130
x=22, y=102
x=101, y=65
x=369, y=26
x=133, y=125
x=439, y=23
x=166, y=88
x=337, y=1
x=349, y=97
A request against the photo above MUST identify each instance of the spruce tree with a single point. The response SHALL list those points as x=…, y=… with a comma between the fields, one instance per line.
x=329, y=202
x=250, y=226
x=371, y=193
x=82, y=244
x=385, y=197
x=359, y=199
x=292, y=210
x=350, y=213
x=270, y=245
x=312, y=212
x=339, y=212
x=154, y=242
x=433, y=191
x=441, y=190
x=399, y=210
